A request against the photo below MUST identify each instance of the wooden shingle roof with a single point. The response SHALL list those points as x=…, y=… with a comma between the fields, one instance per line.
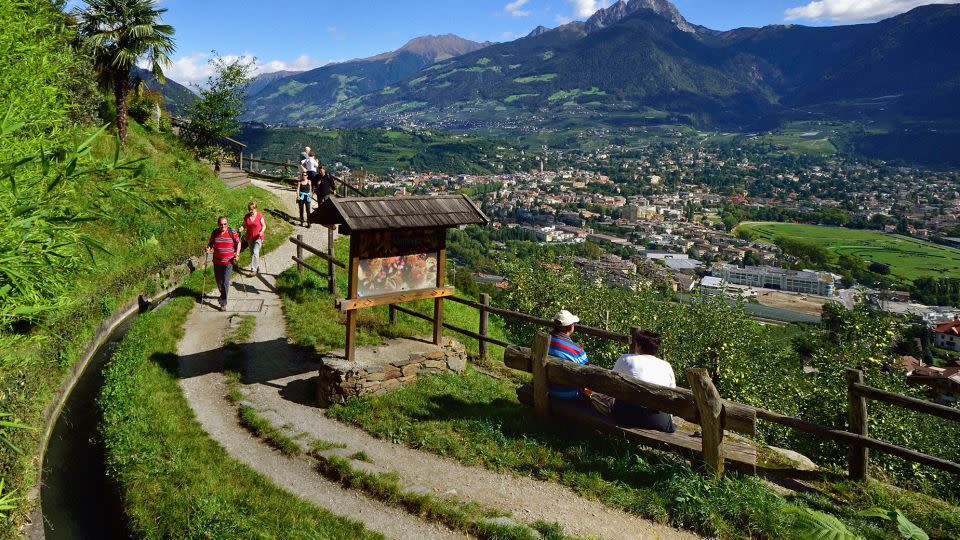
x=410, y=212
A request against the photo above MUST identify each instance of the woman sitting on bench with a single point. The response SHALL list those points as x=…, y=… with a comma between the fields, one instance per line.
x=642, y=363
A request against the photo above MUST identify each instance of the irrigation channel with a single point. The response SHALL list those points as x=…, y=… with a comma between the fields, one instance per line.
x=77, y=498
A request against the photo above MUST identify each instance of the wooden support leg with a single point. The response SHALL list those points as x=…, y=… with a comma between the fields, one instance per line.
x=857, y=455
x=437, y=319
x=300, y=253
x=351, y=345
x=711, y=415
x=331, y=268
x=484, y=318
x=541, y=399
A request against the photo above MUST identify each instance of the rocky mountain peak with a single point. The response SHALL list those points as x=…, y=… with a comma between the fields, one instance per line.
x=538, y=30
x=621, y=9
x=441, y=47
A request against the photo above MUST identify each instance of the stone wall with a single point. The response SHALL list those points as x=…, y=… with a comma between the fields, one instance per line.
x=385, y=367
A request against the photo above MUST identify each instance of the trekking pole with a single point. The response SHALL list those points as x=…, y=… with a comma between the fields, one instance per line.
x=203, y=286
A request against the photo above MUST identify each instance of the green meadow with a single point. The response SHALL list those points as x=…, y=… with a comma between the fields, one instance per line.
x=907, y=257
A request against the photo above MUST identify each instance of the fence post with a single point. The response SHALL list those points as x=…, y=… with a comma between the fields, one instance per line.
x=331, y=268
x=300, y=253
x=541, y=400
x=393, y=314
x=858, y=455
x=484, y=315
x=634, y=336
x=711, y=415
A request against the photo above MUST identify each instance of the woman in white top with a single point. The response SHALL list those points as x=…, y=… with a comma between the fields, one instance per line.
x=642, y=363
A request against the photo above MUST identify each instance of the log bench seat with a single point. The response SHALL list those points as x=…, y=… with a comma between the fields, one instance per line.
x=701, y=404
x=738, y=455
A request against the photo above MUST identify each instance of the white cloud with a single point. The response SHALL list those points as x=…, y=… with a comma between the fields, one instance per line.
x=586, y=8
x=856, y=10
x=513, y=8
x=195, y=68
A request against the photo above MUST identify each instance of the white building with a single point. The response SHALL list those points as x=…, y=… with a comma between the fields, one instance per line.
x=771, y=277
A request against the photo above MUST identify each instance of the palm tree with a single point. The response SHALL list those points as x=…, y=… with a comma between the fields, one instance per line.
x=118, y=33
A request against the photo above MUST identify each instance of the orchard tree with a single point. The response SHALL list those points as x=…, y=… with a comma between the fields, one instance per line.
x=117, y=34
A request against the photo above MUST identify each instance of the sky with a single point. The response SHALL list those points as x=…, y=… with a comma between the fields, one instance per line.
x=300, y=35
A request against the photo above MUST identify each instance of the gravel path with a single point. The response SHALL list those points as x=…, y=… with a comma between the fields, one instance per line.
x=278, y=386
x=205, y=387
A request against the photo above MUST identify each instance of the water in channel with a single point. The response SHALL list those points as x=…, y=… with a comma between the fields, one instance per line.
x=77, y=498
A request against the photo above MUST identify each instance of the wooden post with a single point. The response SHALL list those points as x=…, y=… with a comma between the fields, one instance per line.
x=241, y=159
x=711, y=416
x=300, y=253
x=541, y=399
x=441, y=279
x=634, y=336
x=331, y=268
x=393, y=314
x=857, y=455
x=484, y=316
x=351, y=344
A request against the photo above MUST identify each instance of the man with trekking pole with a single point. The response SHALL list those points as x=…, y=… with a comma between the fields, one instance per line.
x=224, y=245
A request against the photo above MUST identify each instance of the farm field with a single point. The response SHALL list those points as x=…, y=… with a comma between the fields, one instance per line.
x=907, y=257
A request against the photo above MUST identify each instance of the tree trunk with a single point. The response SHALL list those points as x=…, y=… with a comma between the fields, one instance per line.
x=121, y=91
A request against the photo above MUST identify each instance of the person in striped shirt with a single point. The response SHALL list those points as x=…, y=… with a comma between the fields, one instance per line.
x=224, y=244
x=564, y=348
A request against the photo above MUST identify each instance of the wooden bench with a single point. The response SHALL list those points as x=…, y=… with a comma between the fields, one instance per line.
x=702, y=406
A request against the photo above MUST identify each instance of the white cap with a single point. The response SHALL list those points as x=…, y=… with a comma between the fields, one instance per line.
x=565, y=318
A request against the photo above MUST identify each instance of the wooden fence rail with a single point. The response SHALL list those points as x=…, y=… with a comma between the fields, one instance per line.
x=295, y=171
x=680, y=401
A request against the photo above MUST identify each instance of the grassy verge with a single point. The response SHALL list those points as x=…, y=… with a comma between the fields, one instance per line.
x=261, y=427
x=477, y=420
x=155, y=447
x=454, y=513
x=142, y=245
x=313, y=321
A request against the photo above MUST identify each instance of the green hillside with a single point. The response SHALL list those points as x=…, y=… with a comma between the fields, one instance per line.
x=907, y=257
x=85, y=229
x=377, y=150
x=743, y=78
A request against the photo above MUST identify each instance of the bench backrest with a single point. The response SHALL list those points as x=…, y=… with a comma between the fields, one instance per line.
x=676, y=401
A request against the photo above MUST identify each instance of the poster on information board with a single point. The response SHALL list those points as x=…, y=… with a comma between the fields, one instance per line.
x=386, y=275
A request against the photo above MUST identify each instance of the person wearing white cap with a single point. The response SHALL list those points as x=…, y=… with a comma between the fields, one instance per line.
x=565, y=348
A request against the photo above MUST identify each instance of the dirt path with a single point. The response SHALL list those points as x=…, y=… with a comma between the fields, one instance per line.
x=205, y=387
x=277, y=383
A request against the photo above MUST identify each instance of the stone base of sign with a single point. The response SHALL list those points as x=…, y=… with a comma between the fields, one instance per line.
x=377, y=369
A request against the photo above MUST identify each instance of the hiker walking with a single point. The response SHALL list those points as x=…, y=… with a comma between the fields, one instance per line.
x=254, y=226
x=303, y=155
x=224, y=244
x=304, y=193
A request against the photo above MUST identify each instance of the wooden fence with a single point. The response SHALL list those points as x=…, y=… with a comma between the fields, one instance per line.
x=289, y=172
x=856, y=438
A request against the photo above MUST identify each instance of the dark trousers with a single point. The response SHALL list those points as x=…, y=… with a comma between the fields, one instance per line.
x=630, y=415
x=222, y=274
x=303, y=204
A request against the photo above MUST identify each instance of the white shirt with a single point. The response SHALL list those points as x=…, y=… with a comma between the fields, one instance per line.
x=309, y=164
x=646, y=368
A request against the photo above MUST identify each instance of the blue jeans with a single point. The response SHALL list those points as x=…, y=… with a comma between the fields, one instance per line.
x=222, y=274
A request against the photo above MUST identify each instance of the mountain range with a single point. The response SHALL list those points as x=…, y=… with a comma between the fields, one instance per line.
x=304, y=96
x=640, y=62
x=177, y=98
